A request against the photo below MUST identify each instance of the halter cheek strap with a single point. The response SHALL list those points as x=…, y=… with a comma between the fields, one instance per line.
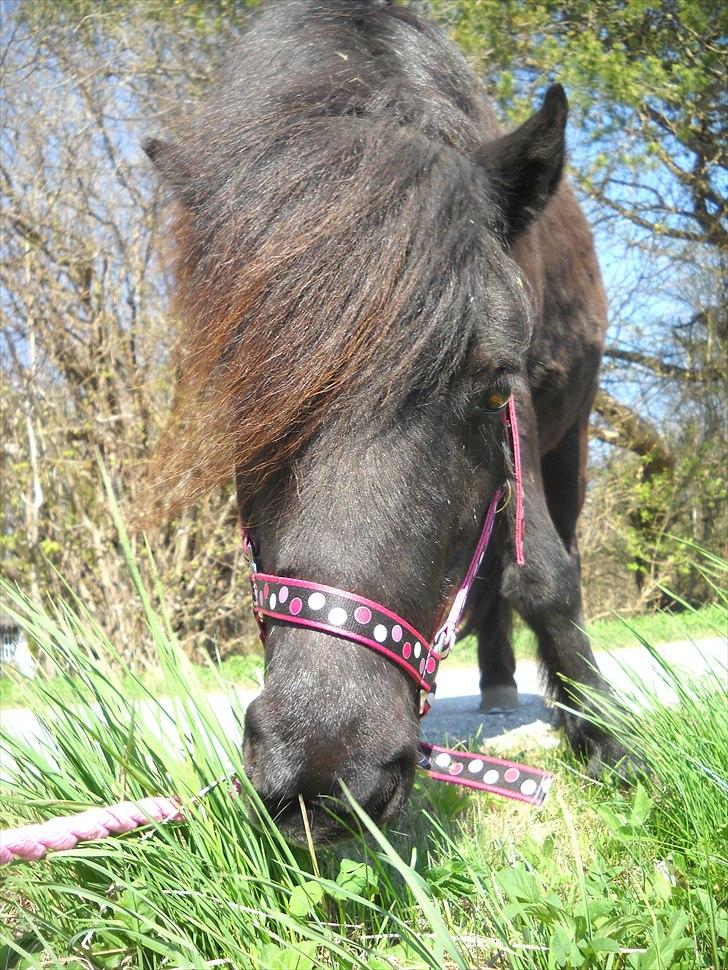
x=510, y=422
x=350, y=616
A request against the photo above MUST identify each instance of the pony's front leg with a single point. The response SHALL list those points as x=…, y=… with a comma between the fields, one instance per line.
x=491, y=618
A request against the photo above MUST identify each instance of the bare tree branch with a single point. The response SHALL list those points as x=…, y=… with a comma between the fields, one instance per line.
x=695, y=375
x=626, y=428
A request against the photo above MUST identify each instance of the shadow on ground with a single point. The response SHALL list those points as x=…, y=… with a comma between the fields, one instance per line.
x=459, y=718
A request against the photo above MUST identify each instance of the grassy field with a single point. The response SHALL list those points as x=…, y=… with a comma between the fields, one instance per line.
x=600, y=877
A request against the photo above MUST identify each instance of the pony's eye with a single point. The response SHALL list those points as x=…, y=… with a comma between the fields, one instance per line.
x=495, y=400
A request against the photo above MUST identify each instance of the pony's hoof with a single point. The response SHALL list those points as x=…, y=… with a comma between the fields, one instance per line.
x=610, y=759
x=499, y=700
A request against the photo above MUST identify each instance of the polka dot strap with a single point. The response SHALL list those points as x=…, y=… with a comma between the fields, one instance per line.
x=493, y=775
x=349, y=616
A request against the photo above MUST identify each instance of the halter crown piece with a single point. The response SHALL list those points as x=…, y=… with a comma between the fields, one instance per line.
x=353, y=617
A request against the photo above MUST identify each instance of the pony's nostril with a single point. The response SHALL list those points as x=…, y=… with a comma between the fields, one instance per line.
x=402, y=765
x=252, y=724
x=285, y=813
x=404, y=760
x=394, y=785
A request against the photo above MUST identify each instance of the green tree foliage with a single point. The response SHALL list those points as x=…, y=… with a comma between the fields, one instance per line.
x=646, y=81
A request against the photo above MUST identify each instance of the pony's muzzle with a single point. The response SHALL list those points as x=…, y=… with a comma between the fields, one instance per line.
x=297, y=776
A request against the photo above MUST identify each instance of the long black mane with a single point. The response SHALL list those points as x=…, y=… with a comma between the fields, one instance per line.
x=334, y=215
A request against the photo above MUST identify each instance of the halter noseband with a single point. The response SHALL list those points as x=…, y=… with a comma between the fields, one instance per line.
x=353, y=617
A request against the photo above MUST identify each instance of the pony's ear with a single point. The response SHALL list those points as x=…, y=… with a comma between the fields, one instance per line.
x=169, y=162
x=526, y=165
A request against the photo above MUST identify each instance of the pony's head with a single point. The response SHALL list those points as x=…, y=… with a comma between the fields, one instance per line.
x=353, y=325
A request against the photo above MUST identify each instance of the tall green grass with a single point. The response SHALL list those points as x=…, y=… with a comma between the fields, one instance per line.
x=600, y=877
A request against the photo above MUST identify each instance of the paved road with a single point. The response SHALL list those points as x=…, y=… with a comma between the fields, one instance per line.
x=455, y=714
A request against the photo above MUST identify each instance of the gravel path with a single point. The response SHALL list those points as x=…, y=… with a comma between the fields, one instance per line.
x=455, y=714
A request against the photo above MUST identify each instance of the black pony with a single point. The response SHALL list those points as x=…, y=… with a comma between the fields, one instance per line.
x=363, y=262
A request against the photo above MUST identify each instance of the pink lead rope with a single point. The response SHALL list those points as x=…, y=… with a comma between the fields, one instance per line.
x=355, y=618
x=31, y=842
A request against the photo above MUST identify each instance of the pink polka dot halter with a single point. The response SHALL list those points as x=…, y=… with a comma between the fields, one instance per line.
x=353, y=617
